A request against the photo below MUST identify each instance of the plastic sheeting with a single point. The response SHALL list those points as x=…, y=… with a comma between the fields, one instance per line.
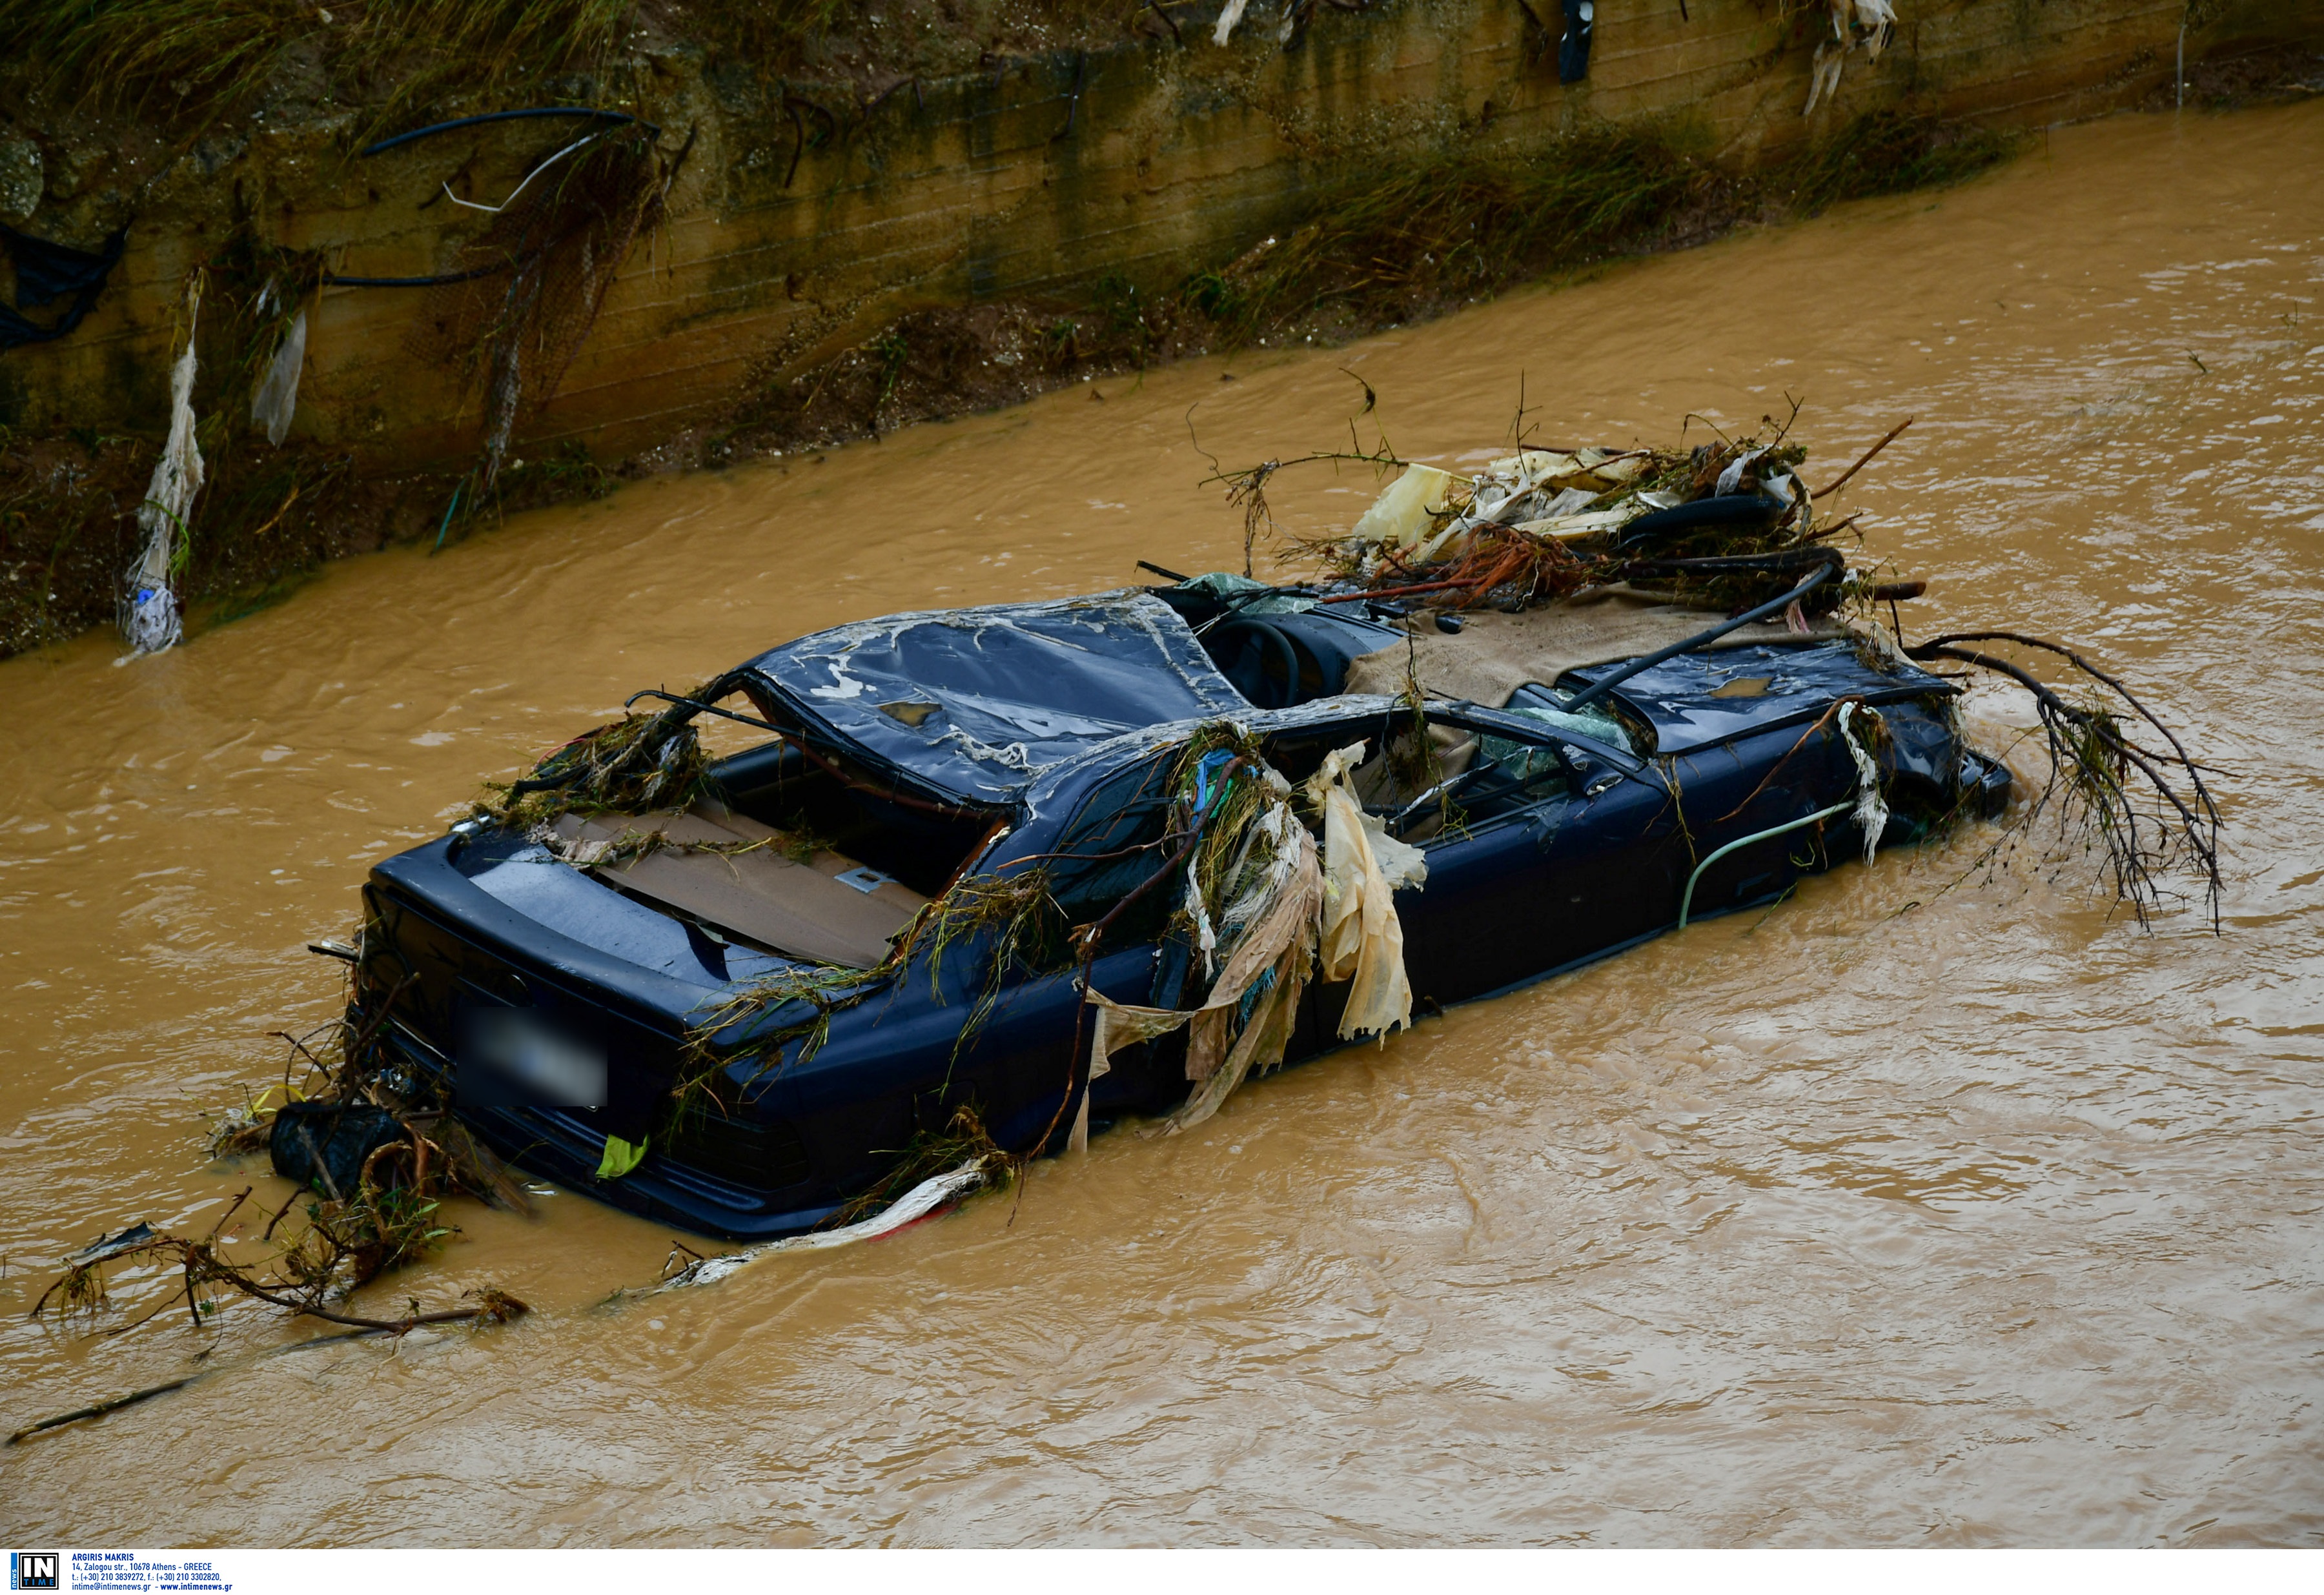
x=1265, y=943
x=1258, y=987
x=1361, y=939
x=1343, y=903
x=277, y=398
x=976, y=704
x=1877, y=19
x=912, y=1206
x=1871, y=803
x=1117, y=1026
x=1403, y=514
x=150, y=619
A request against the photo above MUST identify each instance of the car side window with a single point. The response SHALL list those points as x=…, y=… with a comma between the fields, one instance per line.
x=1443, y=779
x=1485, y=773
x=1110, y=846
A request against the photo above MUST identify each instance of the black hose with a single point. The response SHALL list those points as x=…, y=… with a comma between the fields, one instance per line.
x=1727, y=511
x=1774, y=563
x=436, y=282
x=589, y=112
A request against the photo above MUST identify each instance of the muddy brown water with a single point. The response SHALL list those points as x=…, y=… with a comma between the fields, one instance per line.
x=1987, y=1220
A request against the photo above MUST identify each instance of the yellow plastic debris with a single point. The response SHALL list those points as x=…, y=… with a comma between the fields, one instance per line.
x=621, y=1157
x=1362, y=939
x=1404, y=514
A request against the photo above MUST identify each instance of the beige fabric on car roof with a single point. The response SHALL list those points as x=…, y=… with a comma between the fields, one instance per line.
x=1494, y=654
x=763, y=895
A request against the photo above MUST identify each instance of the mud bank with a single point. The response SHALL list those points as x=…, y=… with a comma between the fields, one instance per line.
x=885, y=236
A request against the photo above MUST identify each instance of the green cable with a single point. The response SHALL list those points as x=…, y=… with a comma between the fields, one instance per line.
x=448, y=510
x=1687, y=902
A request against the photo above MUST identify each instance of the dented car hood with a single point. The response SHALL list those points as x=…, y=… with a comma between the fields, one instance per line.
x=976, y=704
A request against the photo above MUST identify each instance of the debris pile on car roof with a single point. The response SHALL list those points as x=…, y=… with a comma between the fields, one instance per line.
x=1551, y=558
x=1725, y=525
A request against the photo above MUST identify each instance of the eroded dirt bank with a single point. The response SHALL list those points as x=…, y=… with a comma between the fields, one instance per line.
x=834, y=219
x=1983, y=1220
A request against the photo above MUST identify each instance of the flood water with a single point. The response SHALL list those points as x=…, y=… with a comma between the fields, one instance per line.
x=1987, y=1220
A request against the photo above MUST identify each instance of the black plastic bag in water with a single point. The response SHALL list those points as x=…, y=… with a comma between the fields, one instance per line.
x=323, y=1145
x=1574, y=49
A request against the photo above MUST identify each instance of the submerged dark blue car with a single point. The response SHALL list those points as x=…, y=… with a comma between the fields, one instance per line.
x=550, y=994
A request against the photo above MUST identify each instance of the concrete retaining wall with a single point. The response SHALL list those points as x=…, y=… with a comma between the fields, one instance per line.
x=1036, y=179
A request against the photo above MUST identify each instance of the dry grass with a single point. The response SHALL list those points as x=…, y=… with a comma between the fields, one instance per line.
x=638, y=764
x=144, y=56
x=1892, y=152
x=203, y=58
x=1390, y=244
x=1006, y=922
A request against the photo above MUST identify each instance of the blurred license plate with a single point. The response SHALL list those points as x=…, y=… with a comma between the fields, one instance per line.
x=518, y=1057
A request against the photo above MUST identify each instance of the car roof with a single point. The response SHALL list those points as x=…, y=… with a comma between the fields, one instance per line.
x=977, y=703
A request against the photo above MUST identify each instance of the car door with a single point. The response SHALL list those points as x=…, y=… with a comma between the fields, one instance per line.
x=1556, y=854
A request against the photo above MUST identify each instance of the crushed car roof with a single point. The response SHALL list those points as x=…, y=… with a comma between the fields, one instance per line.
x=977, y=702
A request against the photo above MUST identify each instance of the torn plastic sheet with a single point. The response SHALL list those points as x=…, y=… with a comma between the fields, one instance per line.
x=150, y=619
x=1117, y=1026
x=277, y=398
x=1874, y=21
x=1544, y=492
x=1265, y=971
x=1880, y=16
x=913, y=1205
x=1871, y=804
x=1823, y=75
x=1362, y=940
x=1730, y=480
x=1014, y=689
x=1403, y=513
x=1342, y=902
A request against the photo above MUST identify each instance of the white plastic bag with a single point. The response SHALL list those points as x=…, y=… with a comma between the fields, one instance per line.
x=277, y=398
